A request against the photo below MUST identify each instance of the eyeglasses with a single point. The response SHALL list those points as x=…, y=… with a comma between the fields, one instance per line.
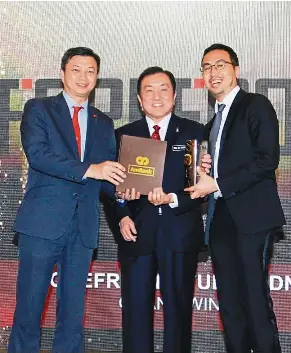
x=219, y=65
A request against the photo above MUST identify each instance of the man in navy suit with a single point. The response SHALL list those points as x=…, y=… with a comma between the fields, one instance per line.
x=244, y=207
x=70, y=147
x=161, y=233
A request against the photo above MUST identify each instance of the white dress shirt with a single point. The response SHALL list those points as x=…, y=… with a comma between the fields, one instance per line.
x=228, y=102
x=163, y=124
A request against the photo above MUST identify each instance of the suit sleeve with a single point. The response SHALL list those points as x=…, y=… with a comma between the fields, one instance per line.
x=107, y=187
x=36, y=144
x=264, y=131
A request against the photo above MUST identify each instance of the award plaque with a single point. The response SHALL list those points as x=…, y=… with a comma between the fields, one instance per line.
x=195, y=151
x=144, y=160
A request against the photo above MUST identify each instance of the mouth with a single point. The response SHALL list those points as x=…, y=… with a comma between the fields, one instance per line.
x=215, y=82
x=82, y=85
x=157, y=105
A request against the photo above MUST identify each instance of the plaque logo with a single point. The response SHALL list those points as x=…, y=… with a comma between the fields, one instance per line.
x=141, y=167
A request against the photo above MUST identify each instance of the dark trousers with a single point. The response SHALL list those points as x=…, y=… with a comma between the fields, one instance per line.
x=138, y=284
x=240, y=263
x=37, y=258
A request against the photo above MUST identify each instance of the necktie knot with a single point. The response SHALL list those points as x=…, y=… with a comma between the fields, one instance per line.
x=221, y=107
x=77, y=109
x=156, y=135
x=156, y=128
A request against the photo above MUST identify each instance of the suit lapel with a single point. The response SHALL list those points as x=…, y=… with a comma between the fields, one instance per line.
x=64, y=123
x=172, y=132
x=92, y=120
x=231, y=116
x=142, y=129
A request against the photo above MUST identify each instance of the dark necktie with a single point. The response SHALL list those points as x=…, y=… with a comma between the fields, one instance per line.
x=155, y=134
x=77, y=128
x=215, y=129
x=212, y=141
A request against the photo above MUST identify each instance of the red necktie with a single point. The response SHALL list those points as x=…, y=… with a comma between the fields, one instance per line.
x=77, y=127
x=156, y=135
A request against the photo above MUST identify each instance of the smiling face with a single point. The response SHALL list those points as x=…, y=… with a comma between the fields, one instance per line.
x=157, y=96
x=79, y=77
x=219, y=82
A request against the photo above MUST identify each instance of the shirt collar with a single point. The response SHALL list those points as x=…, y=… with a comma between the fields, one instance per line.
x=228, y=99
x=163, y=124
x=71, y=103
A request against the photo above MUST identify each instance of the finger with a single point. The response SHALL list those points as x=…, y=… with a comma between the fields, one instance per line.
x=111, y=180
x=115, y=177
x=190, y=188
x=159, y=195
x=195, y=195
x=132, y=228
x=118, y=166
x=138, y=195
x=150, y=196
x=118, y=172
x=132, y=194
x=127, y=194
x=200, y=171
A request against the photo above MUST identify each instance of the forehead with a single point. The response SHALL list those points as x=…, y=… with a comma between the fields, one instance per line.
x=157, y=79
x=215, y=55
x=84, y=61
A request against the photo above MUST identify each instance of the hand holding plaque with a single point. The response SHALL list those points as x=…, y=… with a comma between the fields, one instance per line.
x=144, y=161
x=195, y=151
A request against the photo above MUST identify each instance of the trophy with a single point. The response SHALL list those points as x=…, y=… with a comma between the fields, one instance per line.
x=195, y=150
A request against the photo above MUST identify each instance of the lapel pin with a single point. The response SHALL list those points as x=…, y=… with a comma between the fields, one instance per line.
x=177, y=129
x=94, y=115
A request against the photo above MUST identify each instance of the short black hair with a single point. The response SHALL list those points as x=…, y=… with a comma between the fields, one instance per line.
x=155, y=70
x=229, y=50
x=83, y=51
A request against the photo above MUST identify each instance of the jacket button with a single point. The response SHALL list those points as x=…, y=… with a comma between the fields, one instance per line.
x=75, y=194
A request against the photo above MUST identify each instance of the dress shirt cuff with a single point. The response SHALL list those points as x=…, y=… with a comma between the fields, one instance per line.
x=218, y=192
x=175, y=203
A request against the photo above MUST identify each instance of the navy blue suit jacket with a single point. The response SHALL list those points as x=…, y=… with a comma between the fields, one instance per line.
x=55, y=175
x=182, y=226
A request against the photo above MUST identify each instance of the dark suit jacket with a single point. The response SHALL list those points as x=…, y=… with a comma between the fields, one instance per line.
x=55, y=185
x=248, y=158
x=182, y=226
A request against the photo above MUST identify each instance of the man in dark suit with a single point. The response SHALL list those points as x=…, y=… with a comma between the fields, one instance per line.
x=244, y=207
x=70, y=147
x=161, y=233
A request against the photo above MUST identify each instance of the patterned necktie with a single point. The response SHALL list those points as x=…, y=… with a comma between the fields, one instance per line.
x=77, y=128
x=215, y=129
x=212, y=140
x=156, y=135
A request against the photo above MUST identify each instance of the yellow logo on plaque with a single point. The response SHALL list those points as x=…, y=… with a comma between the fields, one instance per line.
x=141, y=167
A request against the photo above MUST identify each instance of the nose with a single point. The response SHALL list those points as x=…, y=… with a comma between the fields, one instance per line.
x=82, y=74
x=156, y=95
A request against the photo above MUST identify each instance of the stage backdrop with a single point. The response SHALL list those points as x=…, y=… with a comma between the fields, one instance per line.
x=129, y=37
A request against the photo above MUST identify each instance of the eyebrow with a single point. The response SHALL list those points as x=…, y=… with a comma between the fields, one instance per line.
x=89, y=67
x=161, y=85
x=214, y=62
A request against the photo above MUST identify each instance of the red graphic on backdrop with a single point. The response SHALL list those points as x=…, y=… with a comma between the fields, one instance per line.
x=103, y=301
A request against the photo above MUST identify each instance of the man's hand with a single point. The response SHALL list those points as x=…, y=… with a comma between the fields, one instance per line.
x=110, y=171
x=206, y=163
x=205, y=186
x=128, y=195
x=158, y=197
x=127, y=229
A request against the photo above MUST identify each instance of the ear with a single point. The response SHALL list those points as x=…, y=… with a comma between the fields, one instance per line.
x=237, y=71
x=62, y=75
x=175, y=95
x=139, y=99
